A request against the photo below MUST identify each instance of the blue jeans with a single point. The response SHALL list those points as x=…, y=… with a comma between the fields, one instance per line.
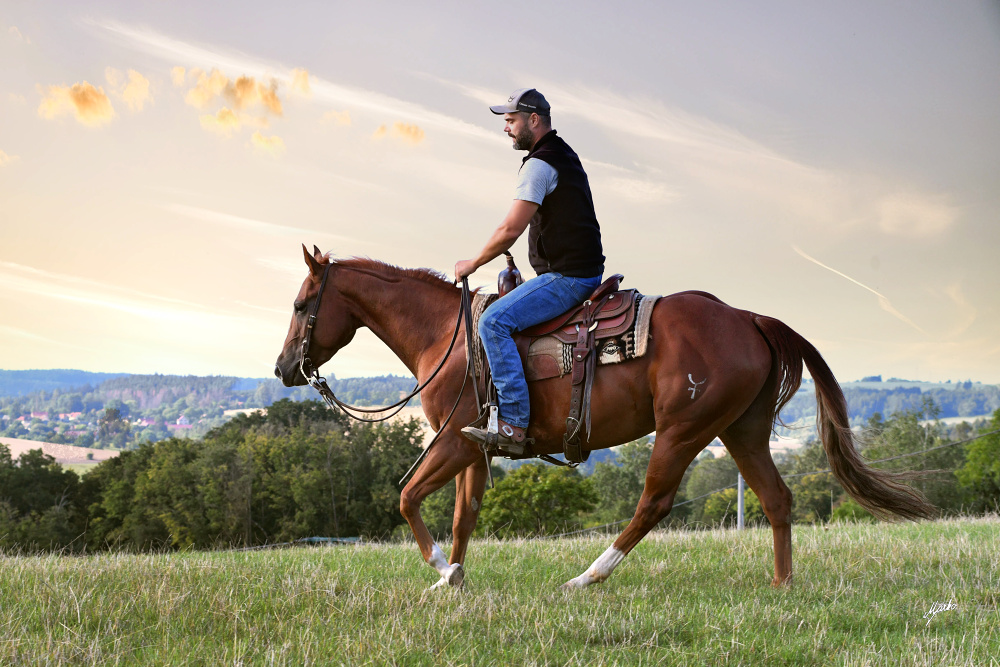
x=536, y=301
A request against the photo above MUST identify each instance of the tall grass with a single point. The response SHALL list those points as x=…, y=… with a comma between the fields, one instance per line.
x=860, y=597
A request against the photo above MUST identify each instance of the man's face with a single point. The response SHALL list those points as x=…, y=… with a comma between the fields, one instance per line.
x=518, y=128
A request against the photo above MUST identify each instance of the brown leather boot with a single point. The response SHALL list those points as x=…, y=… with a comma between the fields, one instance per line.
x=510, y=440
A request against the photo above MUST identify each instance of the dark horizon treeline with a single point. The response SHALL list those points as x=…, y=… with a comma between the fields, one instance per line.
x=304, y=470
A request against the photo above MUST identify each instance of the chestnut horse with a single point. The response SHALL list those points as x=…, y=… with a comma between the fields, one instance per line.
x=710, y=371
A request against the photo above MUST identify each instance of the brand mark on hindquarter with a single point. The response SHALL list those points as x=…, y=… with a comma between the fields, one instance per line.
x=694, y=385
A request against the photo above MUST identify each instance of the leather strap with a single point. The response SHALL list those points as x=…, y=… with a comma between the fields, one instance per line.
x=584, y=367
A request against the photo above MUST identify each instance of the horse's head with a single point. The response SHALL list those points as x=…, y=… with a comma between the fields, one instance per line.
x=335, y=325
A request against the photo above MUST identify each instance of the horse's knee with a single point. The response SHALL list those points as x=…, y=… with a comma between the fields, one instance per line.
x=651, y=509
x=409, y=504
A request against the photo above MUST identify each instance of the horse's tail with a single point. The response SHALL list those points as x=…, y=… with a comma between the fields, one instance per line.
x=880, y=492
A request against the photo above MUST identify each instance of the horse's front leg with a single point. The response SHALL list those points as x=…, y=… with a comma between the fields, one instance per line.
x=450, y=454
x=470, y=485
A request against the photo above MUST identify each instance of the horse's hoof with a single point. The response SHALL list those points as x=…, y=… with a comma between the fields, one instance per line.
x=573, y=584
x=455, y=576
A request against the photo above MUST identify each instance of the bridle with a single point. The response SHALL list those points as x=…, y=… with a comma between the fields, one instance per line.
x=311, y=373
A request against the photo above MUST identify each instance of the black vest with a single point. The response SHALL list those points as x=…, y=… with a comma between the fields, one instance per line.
x=564, y=235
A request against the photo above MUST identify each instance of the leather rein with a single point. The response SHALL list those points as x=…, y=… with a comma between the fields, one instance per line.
x=311, y=373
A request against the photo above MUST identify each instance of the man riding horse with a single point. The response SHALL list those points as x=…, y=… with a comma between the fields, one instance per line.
x=552, y=200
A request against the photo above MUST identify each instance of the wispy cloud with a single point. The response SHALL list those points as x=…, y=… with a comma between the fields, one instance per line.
x=250, y=224
x=883, y=301
x=16, y=33
x=15, y=332
x=170, y=49
x=7, y=159
x=91, y=293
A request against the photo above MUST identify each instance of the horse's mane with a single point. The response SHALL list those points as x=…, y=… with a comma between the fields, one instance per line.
x=392, y=272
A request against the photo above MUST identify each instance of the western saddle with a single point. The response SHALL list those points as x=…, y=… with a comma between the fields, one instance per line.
x=607, y=313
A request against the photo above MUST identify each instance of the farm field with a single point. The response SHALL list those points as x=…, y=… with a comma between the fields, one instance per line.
x=863, y=595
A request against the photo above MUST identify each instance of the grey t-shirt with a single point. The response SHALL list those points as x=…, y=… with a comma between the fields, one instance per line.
x=535, y=180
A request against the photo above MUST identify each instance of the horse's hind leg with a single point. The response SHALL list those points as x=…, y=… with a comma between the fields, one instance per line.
x=671, y=456
x=747, y=442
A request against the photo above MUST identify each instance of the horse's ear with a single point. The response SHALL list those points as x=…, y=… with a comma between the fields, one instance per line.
x=317, y=253
x=312, y=262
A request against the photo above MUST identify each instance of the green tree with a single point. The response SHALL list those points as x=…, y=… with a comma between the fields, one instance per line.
x=709, y=475
x=536, y=499
x=619, y=484
x=980, y=475
x=722, y=508
x=42, y=506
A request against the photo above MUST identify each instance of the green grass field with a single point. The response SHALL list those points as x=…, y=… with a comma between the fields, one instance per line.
x=860, y=597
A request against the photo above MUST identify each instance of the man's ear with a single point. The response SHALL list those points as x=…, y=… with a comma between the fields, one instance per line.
x=315, y=268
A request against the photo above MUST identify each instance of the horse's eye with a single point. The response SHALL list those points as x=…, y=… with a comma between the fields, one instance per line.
x=300, y=306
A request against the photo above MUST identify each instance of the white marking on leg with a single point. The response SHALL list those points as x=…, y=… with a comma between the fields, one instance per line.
x=451, y=574
x=474, y=504
x=694, y=385
x=600, y=570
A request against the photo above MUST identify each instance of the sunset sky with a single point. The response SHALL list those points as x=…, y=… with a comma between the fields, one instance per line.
x=834, y=165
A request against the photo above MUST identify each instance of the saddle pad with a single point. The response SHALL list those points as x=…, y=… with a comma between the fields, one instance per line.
x=548, y=357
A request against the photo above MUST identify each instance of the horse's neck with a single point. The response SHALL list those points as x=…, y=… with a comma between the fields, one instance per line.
x=409, y=315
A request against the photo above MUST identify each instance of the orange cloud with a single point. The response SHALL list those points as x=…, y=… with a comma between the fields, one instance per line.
x=338, y=117
x=7, y=159
x=300, y=81
x=409, y=133
x=134, y=92
x=177, y=75
x=88, y=104
x=224, y=122
x=402, y=131
x=206, y=88
x=272, y=145
x=247, y=92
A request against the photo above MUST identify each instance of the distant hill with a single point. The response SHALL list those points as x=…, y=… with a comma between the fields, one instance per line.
x=20, y=383
x=865, y=398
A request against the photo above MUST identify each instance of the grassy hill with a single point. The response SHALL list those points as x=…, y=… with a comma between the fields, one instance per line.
x=862, y=595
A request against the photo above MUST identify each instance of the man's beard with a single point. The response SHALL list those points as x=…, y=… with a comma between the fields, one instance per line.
x=524, y=140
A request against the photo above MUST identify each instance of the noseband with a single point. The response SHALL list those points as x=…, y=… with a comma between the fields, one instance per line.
x=306, y=366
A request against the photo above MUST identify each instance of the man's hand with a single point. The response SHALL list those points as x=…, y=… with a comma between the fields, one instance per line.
x=465, y=268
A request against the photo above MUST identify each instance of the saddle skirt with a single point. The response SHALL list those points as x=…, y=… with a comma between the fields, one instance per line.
x=546, y=349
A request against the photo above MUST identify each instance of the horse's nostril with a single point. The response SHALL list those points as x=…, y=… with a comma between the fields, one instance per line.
x=277, y=372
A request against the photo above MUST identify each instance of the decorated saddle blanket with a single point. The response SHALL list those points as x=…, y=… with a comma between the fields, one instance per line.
x=621, y=337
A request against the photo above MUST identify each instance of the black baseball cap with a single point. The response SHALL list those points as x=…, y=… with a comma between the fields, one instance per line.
x=527, y=100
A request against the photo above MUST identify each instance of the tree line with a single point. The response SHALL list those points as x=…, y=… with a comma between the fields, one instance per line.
x=303, y=470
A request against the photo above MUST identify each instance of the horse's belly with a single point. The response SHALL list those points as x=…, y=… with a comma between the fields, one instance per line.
x=621, y=408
